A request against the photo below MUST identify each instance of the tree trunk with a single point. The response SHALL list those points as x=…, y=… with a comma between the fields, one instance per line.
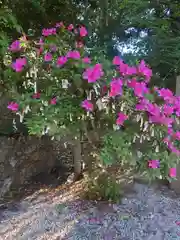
x=175, y=185
x=77, y=155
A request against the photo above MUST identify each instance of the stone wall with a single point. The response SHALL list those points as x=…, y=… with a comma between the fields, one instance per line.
x=26, y=157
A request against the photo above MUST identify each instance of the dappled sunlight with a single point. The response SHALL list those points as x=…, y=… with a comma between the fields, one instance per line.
x=60, y=213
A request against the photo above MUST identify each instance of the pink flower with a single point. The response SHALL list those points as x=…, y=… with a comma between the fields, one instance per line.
x=161, y=120
x=86, y=60
x=177, y=106
x=87, y=105
x=53, y=101
x=177, y=223
x=168, y=110
x=61, y=24
x=117, y=60
x=79, y=44
x=13, y=106
x=61, y=60
x=131, y=70
x=48, y=31
x=140, y=89
x=116, y=87
x=153, y=109
x=73, y=54
x=132, y=83
x=41, y=42
x=172, y=172
x=126, y=70
x=53, y=48
x=166, y=94
x=39, y=51
x=92, y=74
x=166, y=140
x=121, y=118
x=15, y=46
x=144, y=70
x=48, y=57
x=70, y=27
x=123, y=68
x=153, y=163
x=104, y=89
x=82, y=31
x=19, y=64
x=142, y=105
x=177, y=135
x=36, y=95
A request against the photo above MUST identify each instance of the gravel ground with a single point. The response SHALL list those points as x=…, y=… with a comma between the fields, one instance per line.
x=148, y=213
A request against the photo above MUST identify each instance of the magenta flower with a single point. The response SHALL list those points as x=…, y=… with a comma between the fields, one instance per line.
x=53, y=101
x=48, y=31
x=153, y=163
x=116, y=87
x=15, y=46
x=41, y=42
x=174, y=149
x=168, y=110
x=70, y=27
x=13, y=106
x=36, y=95
x=92, y=74
x=121, y=118
x=153, y=109
x=75, y=31
x=170, y=131
x=126, y=70
x=123, y=68
x=177, y=106
x=87, y=105
x=73, y=54
x=79, y=44
x=132, y=83
x=86, y=60
x=117, y=60
x=61, y=24
x=61, y=60
x=177, y=135
x=142, y=105
x=140, y=89
x=47, y=57
x=19, y=64
x=166, y=94
x=144, y=70
x=53, y=48
x=131, y=70
x=82, y=31
x=172, y=172
x=161, y=120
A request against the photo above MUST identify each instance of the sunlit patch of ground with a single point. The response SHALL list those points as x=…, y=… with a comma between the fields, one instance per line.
x=59, y=213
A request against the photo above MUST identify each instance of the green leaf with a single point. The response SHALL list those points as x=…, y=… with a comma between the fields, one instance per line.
x=150, y=97
x=77, y=80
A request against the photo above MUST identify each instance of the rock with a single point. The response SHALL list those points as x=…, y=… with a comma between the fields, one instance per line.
x=175, y=184
x=26, y=157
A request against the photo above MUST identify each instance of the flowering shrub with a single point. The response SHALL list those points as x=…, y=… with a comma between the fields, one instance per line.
x=58, y=89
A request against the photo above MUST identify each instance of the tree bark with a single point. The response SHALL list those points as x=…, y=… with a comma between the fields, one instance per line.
x=77, y=155
x=175, y=185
